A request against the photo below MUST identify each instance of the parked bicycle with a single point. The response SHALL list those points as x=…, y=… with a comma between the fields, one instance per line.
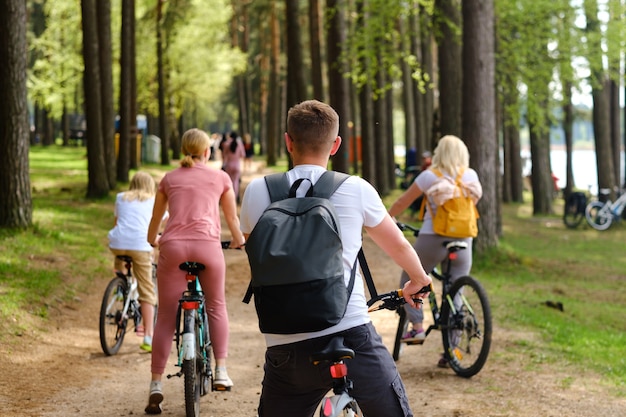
x=601, y=214
x=574, y=209
x=193, y=344
x=120, y=306
x=463, y=315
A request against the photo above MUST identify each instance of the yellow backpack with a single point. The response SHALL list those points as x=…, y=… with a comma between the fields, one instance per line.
x=456, y=217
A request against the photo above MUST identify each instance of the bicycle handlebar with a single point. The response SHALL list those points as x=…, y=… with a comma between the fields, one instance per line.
x=226, y=245
x=404, y=226
x=393, y=299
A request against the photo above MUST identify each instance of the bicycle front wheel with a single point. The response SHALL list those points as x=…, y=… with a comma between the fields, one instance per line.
x=113, y=321
x=192, y=368
x=403, y=325
x=466, y=326
x=598, y=216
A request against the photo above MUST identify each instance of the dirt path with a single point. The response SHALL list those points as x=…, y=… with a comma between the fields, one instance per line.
x=62, y=371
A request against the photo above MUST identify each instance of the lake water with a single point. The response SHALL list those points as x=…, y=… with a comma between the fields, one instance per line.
x=583, y=166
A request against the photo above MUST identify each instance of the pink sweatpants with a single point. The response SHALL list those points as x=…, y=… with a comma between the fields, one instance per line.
x=172, y=282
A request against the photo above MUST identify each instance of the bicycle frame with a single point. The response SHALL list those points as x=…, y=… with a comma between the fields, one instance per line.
x=192, y=301
x=133, y=294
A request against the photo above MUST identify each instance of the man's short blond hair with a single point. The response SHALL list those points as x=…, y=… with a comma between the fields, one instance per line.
x=313, y=126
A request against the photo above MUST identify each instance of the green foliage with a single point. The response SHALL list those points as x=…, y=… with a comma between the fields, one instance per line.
x=199, y=61
x=54, y=78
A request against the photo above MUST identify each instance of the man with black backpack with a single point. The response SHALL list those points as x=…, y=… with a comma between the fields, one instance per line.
x=284, y=273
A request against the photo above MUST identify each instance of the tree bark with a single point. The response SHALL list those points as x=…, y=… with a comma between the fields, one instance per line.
x=124, y=145
x=450, y=75
x=16, y=206
x=479, y=124
x=106, y=85
x=163, y=129
x=338, y=85
x=98, y=183
x=316, y=50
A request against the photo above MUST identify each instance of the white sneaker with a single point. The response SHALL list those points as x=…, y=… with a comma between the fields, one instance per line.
x=221, y=381
x=155, y=398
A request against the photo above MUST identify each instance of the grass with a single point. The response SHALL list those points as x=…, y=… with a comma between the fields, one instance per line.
x=538, y=260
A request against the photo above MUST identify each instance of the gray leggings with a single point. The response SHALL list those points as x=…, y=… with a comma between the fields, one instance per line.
x=431, y=250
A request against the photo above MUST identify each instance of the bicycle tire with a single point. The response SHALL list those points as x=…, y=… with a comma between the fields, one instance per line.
x=192, y=370
x=572, y=216
x=206, y=379
x=597, y=216
x=467, y=329
x=112, y=325
x=403, y=324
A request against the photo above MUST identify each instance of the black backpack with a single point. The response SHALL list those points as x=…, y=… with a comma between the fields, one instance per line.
x=295, y=255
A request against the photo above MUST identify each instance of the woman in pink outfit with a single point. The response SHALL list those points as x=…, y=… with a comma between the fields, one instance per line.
x=233, y=153
x=193, y=194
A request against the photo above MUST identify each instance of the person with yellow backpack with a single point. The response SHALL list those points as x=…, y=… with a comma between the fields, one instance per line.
x=451, y=190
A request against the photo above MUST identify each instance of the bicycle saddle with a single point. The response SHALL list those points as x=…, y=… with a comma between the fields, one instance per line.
x=334, y=351
x=192, y=268
x=455, y=245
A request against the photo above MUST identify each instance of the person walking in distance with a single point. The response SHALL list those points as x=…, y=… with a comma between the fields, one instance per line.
x=450, y=160
x=233, y=152
x=133, y=210
x=193, y=194
x=291, y=385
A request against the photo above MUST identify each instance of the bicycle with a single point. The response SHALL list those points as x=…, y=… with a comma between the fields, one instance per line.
x=193, y=344
x=341, y=403
x=463, y=316
x=120, y=305
x=574, y=209
x=601, y=214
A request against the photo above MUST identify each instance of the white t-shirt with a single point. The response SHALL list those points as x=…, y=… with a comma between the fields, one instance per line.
x=131, y=230
x=357, y=204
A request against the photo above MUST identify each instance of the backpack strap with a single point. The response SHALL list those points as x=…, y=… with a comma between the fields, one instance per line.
x=367, y=274
x=328, y=183
x=277, y=186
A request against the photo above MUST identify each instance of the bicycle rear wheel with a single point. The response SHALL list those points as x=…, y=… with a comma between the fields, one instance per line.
x=192, y=369
x=572, y=216
x=466, y=326
x=403, y=325
x=113, y=323
x=598, y=217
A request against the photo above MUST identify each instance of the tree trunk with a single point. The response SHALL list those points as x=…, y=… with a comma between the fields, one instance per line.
x=316, y=50
x=106, y=85
x=541, y=175
x=98, y=183
x=163, y=129
x=274, y=138
x=419, y=87
x=366, y=107
x=568, y=127
x=450, y=76
x=380, y=133
x=16, y=206
x=135, y=158
x=408, y=100
x=338, y=85
x=296, y=83
x=124, y=145
x=479, y=109
x=602, y=135
x=615, y=122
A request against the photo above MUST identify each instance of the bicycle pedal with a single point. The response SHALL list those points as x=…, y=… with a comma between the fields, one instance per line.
x=221, y=388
